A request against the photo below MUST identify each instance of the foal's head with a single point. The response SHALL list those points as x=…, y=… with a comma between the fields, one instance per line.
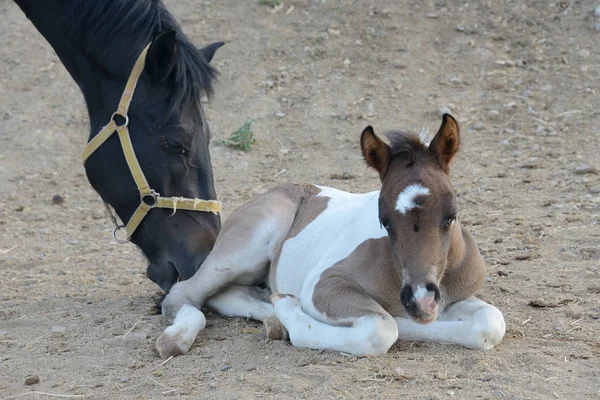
x=417, y=207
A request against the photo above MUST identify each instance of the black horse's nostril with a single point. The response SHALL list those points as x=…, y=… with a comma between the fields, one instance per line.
x=406, y=296
x=432, y=287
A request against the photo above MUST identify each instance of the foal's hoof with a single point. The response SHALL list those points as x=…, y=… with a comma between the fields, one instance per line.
x=275, y=297
x=275, y=329
x=172, y=344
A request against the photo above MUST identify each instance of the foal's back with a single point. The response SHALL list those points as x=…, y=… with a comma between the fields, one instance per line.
x=329, y=225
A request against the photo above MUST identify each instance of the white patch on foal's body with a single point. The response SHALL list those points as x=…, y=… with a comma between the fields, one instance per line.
x=406, y=198
x=349, y=220
x=333, y=235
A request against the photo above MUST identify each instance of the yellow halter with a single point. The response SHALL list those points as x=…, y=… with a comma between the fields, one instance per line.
x=149, y=198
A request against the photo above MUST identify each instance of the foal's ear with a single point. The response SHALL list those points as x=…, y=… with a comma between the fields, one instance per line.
x=209, y=51
x=376, y=152
x=161, y=55
x=445, y=143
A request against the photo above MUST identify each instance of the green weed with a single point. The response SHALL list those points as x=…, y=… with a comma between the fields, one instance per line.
x=242, y=139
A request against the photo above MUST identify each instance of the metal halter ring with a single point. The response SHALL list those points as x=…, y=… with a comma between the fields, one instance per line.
x=120, y=241
x=115, y=115
x=149, y=196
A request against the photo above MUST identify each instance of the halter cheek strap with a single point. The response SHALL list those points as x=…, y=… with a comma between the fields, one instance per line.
x=149, y=198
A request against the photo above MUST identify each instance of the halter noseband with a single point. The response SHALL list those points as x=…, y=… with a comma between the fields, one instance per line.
x=149, y=198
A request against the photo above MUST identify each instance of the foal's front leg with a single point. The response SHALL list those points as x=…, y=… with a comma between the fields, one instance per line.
x=471, y=323
x=241, y=256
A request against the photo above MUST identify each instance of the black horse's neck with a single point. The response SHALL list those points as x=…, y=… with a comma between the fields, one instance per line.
x=46, y=16
x=91, y=64
x=99, y=41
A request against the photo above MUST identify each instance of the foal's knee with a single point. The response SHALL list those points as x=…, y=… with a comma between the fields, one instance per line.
x=489, y=326
x=176, y=299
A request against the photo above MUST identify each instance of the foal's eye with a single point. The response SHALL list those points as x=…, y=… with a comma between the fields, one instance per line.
x=448, y=221
x=385, y=224
x=171, y=147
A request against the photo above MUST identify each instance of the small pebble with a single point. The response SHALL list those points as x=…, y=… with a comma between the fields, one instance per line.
x=477, y=125
x=58, y=199
x=32, y=379
x=124, y=379
x=584, y=53
x=225, y=368
x=138, y=336
x=584, y=169
x=58, y=329
x=493, y=113
x=594, y=189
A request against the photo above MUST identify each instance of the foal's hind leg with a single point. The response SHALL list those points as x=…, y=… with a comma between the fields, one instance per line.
x=241, y=301
x=471, y=323
x=241, y=256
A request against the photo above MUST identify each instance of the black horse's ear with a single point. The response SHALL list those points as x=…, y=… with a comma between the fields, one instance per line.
x=161, y=55
x=209, y=51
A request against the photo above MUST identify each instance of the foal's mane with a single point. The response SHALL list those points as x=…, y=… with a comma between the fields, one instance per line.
x=98, y=24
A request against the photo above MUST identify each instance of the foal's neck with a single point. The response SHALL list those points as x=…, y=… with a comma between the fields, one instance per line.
x=465, y=269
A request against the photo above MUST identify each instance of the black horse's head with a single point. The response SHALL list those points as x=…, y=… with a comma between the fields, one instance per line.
x=99, y=42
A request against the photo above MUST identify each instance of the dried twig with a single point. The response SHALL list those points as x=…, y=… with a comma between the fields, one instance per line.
x=4, y=251
x=70, y=396
x=163, y=363
x=160, y=384
x=130, y=329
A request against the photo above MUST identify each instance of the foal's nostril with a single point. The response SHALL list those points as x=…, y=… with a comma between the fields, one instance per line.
x=406, y=296
x=432, y=287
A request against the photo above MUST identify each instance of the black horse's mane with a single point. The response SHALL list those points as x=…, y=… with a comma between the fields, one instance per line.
x=97, y=25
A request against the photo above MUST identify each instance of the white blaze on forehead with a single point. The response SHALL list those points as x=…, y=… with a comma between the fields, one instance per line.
x=406, y=198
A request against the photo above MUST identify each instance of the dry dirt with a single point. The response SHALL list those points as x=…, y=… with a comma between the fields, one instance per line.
x=522, y=77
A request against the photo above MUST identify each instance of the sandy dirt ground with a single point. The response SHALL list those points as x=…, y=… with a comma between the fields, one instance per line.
x=523, y=79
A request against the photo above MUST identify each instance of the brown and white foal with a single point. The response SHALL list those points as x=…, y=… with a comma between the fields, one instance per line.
x=350, y=272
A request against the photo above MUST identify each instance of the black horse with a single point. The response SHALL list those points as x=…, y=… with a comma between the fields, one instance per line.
x=98, y=42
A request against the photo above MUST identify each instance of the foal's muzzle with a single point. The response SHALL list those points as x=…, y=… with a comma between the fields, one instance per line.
x=421, y=302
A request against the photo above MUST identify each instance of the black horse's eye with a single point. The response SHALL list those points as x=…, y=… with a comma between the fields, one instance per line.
x=171, y=147
x=448, y=221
